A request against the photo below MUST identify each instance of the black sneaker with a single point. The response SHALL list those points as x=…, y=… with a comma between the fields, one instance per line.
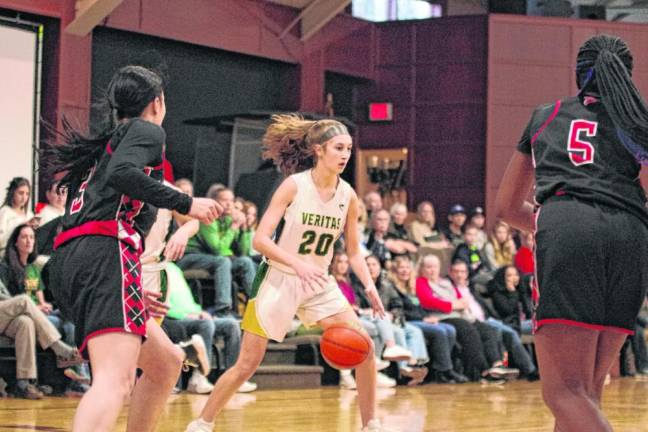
x=195, y=355
x=533, y=376
x=443, y=377
x=456, y=376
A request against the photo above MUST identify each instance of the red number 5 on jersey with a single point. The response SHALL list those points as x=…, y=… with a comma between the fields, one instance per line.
x=581, y=152
x=77, y=202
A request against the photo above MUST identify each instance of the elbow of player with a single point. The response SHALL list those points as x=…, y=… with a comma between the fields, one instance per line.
x=117, y=180
x=257, y=242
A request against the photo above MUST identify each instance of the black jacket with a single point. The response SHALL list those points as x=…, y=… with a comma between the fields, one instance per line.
x=509, y=304
x=388, y=295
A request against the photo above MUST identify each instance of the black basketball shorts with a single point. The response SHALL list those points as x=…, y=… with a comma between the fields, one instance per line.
x=591, y=265
x=96, y=281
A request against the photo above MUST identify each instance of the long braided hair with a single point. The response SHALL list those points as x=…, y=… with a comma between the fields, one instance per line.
x=604, y=67
x=130, y=90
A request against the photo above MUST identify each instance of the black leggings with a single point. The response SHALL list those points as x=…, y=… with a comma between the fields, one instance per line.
x=481, y=346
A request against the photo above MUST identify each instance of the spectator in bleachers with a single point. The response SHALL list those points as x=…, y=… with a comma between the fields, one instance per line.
x=247, y=231
x=185, y=317
x=185, y=313
x=185, y=185
x=23, y=322
x=22, y=275
x=500, y=248
x=456, y=220
x=387, y=344
x=479, y=310
x=211, y=249
x=55, y=203
x=380, y=330
x=363, y=219
x=373, y=202
x=468, y=252
x=15, y=210
x=512, y=304
x=405, y=334
x=381, y=243
x=423, y=230
x=480, y=344
x=397, y=230
x=478, y=220
x=239, y=204
x=524, y=258
x=440, y=337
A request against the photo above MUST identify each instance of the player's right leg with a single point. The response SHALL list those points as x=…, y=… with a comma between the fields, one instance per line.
x=113, y=357
x=253, y=349
x=567, y=356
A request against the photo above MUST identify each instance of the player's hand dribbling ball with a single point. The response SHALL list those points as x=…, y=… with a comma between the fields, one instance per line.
x=345, y=345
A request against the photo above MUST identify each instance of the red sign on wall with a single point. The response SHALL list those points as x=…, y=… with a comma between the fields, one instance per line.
x=380, y=111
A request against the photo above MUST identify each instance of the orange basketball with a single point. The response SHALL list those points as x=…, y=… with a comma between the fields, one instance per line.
x=345, y=346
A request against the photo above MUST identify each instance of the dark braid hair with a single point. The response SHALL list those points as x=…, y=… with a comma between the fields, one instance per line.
x=130, y=90
x=14, y=184
x=604, y=67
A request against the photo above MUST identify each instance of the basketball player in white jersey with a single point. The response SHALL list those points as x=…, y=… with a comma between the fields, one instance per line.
x=307, y=214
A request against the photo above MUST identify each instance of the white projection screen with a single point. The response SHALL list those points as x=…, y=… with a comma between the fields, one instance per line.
x=19, y=55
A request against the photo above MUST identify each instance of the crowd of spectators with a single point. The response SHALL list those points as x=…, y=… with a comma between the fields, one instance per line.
x=458, y=297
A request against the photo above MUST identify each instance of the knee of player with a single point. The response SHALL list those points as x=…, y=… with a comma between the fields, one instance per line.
x=372, y=349
x=246, y=367
x=168, y=364
x=558, y=394
x=118, y=386
x=175, y=358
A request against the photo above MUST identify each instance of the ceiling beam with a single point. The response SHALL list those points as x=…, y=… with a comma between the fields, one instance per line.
x=318, y=14
x=89, y=13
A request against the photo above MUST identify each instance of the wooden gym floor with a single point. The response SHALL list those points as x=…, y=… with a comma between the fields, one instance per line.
x=514, y=407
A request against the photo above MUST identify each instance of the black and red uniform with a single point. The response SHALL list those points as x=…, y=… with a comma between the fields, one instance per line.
x=95, y=272
x=591, y=222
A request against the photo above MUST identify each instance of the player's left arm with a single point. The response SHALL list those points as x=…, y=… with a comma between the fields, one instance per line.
x=142, y=147
x=356, y=260
x=511, y=203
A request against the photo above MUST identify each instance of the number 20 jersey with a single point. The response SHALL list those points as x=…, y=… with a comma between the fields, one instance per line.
x=576, y=151
x=311, y=226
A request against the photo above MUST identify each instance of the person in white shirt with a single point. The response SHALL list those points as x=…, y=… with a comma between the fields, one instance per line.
x=15, y=210
x=55, y=203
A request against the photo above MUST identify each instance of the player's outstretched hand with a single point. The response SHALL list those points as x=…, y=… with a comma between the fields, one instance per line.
x=313, y=278
x=376, y=303
x=155, y=307
x=206, y=210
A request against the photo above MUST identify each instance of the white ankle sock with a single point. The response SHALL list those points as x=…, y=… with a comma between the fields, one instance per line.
x=200, y=425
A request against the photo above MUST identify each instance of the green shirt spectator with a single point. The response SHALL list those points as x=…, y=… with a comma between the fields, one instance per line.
x=181, y=301
x=216, y=238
